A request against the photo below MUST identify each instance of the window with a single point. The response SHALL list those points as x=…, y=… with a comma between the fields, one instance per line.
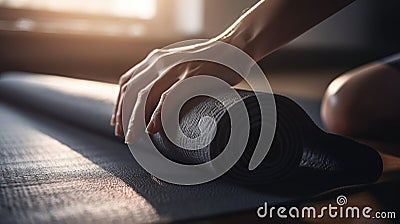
x=138, y=18
x=140, y=9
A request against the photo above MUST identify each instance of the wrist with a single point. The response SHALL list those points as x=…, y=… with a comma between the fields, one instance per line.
x=246, y=43
x=234, y=53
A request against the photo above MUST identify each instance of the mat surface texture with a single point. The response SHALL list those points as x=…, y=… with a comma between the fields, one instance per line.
x=60, y=162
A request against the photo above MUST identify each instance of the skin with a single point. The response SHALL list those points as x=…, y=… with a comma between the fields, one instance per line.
x=261, y=30
x=363, y=102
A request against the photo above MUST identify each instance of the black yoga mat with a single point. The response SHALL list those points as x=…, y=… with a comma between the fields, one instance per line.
x=301, y=153
x=61, y=163
x=302, y=159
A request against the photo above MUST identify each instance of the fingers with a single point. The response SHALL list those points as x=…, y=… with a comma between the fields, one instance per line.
x=155, y=123
x=141, y=98
x=125, y=79
x=136, y=122
x=149, y=103
x=146, y=102
x=112, y=121
x=122, y=81
x=118, y=114
x=134, y=84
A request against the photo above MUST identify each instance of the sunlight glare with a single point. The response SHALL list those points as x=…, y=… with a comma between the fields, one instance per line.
x=141, y=9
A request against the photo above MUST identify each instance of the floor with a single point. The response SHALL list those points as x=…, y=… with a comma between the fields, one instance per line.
x=46, y=169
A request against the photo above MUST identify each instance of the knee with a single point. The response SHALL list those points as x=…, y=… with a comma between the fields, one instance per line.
x=363, y=102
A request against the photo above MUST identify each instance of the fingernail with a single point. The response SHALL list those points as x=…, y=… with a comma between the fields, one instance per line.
x=117, y=128
x=112, y=122
x=129, y=137
x=150, y=128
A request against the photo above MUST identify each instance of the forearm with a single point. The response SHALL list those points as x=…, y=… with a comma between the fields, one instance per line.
x=272, y=23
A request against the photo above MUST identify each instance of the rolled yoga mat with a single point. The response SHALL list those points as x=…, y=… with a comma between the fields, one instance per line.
x=301, y=154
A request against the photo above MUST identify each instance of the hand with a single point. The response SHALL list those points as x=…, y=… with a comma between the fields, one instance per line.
x=150, y=78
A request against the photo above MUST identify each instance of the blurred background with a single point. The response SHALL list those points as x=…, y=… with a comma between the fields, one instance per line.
x=101, y=39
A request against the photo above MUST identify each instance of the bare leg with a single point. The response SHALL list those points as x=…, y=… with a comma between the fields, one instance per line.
x=365, y=102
